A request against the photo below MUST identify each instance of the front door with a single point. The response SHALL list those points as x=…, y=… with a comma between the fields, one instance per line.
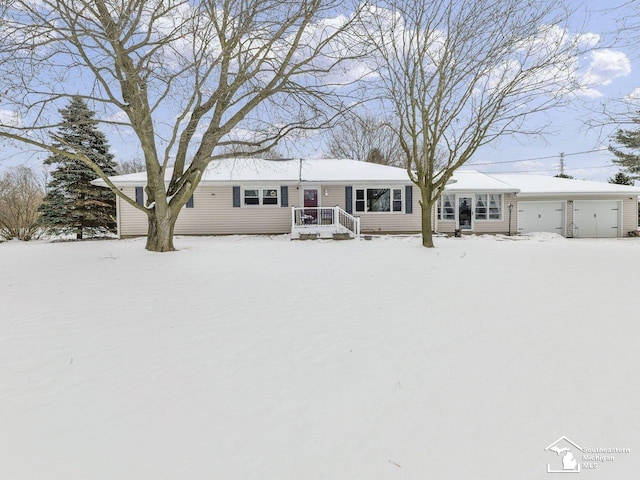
x=311, y=200
x=465, y=213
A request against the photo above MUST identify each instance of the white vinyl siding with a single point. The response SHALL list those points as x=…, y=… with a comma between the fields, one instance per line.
x=371, y=222
x=214, y=214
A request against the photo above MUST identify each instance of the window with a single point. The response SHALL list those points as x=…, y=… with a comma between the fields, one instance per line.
x=397, y=200
x=252, y=197
x=481, y=207
x=495, y=207
x=378, y=200
x=360, y=200
x=270, y=196
x=489, y=206
x=445, y=207
x=260, y=196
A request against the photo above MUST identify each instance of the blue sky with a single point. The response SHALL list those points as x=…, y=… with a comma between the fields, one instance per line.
x=617, y=66
x=613, y=68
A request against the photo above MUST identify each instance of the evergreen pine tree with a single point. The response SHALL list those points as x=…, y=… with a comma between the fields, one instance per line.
x=621, y=178
x=72, y=204
x=564, y=175
x=628, y=159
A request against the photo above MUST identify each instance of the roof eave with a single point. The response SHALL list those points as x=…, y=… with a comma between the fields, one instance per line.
x=578, y=194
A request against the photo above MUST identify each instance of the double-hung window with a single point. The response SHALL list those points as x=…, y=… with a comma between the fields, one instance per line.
x=260, y=196
x=378, y=200
x=488, y=206
x=445, y=207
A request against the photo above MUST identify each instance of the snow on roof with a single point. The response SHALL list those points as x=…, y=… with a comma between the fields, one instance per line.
x=542, y=184
x=305, y=170
x=471, y=180
x=350, y=171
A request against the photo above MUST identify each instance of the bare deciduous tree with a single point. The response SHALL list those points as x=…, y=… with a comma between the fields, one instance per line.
x=459, y=74
x=365, y=138
x=239, y=150
x=133, y=165
x=21, y=193
x=180, y=76
x=624, y=110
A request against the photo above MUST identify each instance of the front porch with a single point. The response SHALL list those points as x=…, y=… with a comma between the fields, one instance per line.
x=323, y=222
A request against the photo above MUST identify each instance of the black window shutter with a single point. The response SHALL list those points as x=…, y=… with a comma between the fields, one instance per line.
x=348, y=199
x=284, y=196
x=139, y=196
x=236, y=196
x=408, y=199
x=190, y=202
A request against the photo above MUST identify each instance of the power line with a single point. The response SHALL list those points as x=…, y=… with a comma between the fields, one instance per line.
x=554, y=169
x=539, y=158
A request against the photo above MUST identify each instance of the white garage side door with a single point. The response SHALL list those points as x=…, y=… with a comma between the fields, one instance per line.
x=596, y=218
x=541, y=217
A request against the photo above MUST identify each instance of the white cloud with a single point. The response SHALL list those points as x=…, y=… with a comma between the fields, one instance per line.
x=634, y=96
x=10, y=118
x=605, y=66
x=587, y=40
x=119, y=117
x=533, y=166
x=588, y=92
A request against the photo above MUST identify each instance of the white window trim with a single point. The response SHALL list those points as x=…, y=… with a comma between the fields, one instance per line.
x=439, y=208
x=475, y=199
x=474, y=195
x=261, y=189
x=379, y=187
x=471, y=196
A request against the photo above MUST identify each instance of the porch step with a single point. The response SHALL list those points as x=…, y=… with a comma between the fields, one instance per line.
x=309, y=236
x=310, y=223
x=342, y=236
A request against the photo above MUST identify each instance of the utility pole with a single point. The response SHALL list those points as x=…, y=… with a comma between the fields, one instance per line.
x=561, y=163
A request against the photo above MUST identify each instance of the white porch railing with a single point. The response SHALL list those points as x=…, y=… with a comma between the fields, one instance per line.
x=323, y=220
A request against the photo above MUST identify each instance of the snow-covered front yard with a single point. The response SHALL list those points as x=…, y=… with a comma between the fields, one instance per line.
x=261, y=358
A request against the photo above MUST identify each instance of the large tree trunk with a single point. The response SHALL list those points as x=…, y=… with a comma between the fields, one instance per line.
x=160, y=233
x=426, y=206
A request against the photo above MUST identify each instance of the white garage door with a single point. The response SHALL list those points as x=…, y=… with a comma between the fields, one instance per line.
x=596, y=218
x=541, y=217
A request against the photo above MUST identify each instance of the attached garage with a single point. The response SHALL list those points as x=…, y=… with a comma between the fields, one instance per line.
x=542, y=216
x=597, y=218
